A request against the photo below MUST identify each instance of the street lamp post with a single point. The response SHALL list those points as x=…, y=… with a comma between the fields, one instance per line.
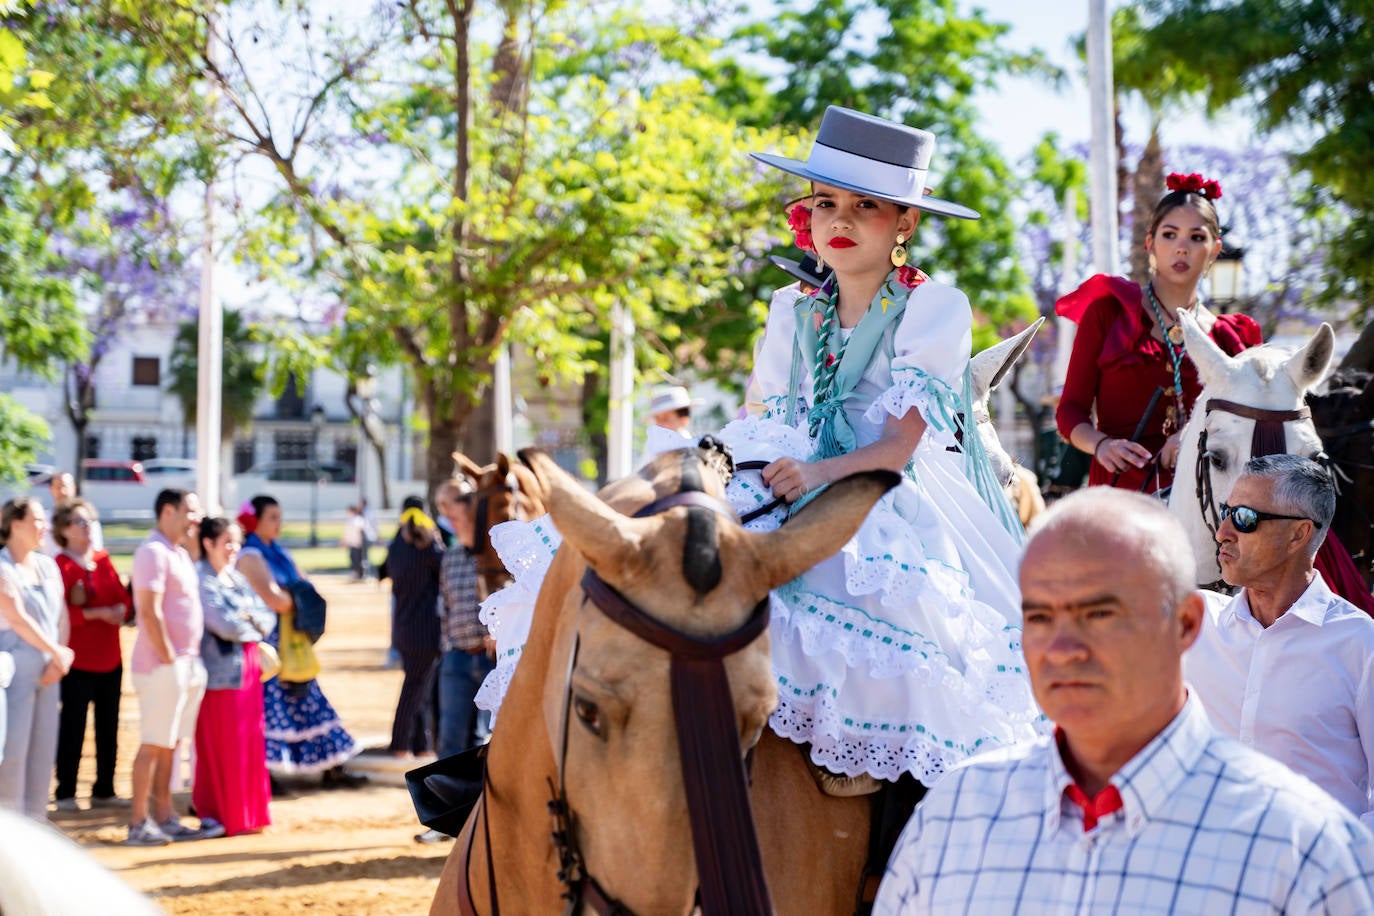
x=316, y=421
x=1226, y=275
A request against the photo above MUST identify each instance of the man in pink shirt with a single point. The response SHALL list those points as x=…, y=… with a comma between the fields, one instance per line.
x=167, y=670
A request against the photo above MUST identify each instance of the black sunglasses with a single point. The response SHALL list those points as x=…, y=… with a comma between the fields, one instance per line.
x=1247, y=520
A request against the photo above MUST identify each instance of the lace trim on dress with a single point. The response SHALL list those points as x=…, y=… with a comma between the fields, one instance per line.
x=527, y=549
x=912, y=387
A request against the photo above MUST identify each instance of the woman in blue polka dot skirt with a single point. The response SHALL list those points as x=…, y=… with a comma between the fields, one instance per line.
x=304, y=733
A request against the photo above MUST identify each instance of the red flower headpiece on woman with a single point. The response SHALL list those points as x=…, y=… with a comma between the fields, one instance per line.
x=247, y=517
x=1205, y=187
x=799, y=221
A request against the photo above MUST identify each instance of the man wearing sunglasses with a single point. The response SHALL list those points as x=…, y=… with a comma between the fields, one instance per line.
x=1286, y=666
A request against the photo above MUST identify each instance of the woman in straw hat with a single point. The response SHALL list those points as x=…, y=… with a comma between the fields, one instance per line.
x=901, y=654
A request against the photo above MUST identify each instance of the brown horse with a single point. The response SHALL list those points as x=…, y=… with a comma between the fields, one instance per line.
x=1344, y=417
x=590, y=708
x=504, y=492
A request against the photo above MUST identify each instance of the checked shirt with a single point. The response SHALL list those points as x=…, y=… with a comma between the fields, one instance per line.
x=1207, y=826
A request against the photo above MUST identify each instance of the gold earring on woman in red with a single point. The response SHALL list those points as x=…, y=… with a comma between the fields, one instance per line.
x=899, y=251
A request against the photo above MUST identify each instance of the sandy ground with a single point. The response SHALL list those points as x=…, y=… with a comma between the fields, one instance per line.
x=344, y=851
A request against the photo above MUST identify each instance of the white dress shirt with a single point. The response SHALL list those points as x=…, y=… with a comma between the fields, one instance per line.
x=1207, y=826
x=1301, y=690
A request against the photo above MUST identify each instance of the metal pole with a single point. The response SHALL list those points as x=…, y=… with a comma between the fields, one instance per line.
x=1102, y=107
x=314, y=483
x=209, y=353
x=1064, y=329
x=502, y=401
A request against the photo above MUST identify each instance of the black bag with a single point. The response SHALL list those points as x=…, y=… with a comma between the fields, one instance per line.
x=308, y=617
x=445, y=792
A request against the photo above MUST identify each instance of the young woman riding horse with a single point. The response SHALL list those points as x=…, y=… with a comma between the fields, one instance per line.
x=1130, y=345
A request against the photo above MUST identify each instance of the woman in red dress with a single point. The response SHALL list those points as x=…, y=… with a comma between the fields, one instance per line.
x=231, y=784
x=97, y=605
x=1129, y=344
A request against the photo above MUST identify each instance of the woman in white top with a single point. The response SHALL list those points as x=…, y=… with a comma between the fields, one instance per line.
x=33, y=631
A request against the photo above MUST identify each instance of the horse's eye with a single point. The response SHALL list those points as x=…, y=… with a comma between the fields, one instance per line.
x=1218, y=460
x=588, y=714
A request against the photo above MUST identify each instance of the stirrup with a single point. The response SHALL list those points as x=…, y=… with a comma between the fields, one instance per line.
x=837, y=785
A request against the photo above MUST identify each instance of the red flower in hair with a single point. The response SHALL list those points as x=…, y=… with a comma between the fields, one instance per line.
x=247, y=517
x=799, y=221
x=1194, y=183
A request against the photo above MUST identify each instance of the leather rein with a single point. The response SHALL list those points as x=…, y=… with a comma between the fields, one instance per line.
x=729, y=864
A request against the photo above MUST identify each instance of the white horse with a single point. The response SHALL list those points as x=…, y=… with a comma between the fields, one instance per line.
x=1241, y=395
x=988, y=369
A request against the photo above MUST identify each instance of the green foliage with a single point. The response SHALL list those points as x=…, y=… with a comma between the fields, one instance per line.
x=921, y=64
x=242, y=375
x=25, y=436
x=1303, y=66
x=40, y=325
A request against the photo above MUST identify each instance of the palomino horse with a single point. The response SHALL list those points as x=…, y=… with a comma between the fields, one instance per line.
x=1344, y=416
x=503, y=492
x=1251, y=404
x=590, y=720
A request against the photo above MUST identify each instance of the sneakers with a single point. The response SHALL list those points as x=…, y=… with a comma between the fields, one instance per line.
x=209, y=829
x=66, y=804
x=432, y=836
x=106, y=801
x=146, y=834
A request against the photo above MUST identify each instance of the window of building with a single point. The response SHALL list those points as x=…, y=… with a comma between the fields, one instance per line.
x=147, y=371
x=244, y=453
x=291, y=446
x=144, y=448
x=92, y=449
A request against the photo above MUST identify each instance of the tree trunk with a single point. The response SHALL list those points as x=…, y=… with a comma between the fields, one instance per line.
x=596, y=432
x=479, y=433
x=1147, y=188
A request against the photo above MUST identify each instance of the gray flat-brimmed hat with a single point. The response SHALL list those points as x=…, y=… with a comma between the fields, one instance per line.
x=805, y=270
x=869, y=155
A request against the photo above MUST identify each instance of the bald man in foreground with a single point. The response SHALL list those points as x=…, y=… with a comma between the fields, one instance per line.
x=1137, y=804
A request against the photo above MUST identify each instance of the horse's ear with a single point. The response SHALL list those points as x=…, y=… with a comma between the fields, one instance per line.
x=590, y=525
x=821, y=527
x=1308, y=365
x=502, y=465
x=1212, y=362
x=467, y=466
x=989, y=367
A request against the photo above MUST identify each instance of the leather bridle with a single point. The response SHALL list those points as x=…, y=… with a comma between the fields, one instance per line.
x=729, y=864
x=1268, y=438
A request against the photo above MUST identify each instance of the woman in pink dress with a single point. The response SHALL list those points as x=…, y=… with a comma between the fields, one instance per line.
x=231, y=785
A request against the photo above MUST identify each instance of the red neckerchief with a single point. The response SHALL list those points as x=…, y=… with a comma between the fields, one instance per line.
x=1098, y=806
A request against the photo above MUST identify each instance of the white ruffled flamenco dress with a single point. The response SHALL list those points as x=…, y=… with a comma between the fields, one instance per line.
x=901, y=653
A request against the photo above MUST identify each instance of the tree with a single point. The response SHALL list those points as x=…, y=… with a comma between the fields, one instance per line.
x=1307, y=67
x=478, y=193
x=242, y=379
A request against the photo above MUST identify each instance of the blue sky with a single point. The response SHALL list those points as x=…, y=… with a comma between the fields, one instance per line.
x=1023, y=110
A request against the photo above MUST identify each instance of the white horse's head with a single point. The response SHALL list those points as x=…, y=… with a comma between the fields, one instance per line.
x=988, y=370
x=1263, y=378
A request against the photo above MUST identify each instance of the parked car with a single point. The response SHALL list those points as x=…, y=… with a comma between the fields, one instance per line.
x=160, y=467
x=300, y=472
x=107, y=470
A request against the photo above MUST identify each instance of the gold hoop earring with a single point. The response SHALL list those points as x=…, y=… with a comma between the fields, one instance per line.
x=898, y=255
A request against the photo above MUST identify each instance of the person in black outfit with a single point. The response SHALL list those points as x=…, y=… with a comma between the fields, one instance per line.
x=413, y=561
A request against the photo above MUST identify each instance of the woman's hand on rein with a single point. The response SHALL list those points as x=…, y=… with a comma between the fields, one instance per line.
x=791, y=479
x=1116, y=455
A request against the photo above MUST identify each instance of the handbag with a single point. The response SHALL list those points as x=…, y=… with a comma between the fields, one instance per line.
x=298, y=662
x=268, y=660
x=308, y=616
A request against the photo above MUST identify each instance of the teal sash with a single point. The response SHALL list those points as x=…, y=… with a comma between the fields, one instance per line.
x=834, y=435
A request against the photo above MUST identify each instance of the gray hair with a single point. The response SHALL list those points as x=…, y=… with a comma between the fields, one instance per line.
x=1301, y=487
x=1159, y=540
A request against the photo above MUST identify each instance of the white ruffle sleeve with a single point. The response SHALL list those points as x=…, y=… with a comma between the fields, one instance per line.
x=773, y=361
x=931, y=348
